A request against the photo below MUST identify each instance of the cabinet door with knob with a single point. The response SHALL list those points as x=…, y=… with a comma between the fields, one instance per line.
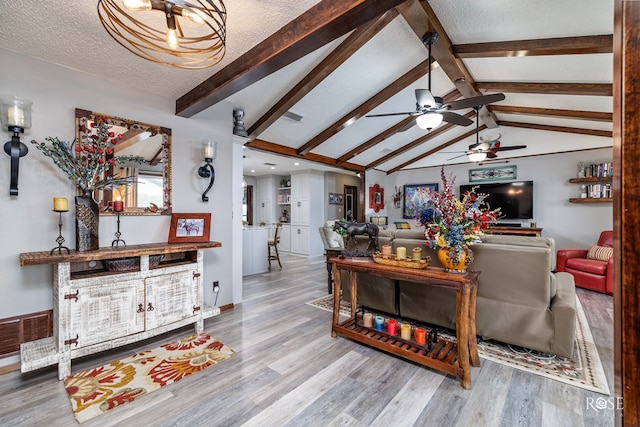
x=172, y=297
x=300, y=240
x=99, y=313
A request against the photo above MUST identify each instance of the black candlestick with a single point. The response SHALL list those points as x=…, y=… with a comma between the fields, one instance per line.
x=117, y=241
x=60, y=239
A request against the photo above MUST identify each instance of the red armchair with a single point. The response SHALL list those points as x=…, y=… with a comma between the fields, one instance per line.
x=589, y=273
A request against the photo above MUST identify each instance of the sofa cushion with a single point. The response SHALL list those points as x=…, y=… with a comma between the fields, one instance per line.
x=601, y=253
x=334, y=240
x=593, y=266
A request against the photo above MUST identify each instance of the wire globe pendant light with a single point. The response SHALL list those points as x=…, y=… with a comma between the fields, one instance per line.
x=180, y=33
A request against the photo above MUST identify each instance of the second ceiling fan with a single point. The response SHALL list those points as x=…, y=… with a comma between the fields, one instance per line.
x=430, y=110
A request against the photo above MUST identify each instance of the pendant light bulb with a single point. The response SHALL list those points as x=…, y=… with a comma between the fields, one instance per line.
x=172, y=39
x=137, y=5
x=193, y=16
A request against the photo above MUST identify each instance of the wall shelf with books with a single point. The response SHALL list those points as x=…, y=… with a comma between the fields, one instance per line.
x=595, y=189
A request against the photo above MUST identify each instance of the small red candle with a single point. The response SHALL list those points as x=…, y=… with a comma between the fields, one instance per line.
x=392, y=327
x=118, y=206
x=421, y=336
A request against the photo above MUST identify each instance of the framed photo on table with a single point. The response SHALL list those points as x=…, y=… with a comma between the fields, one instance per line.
x=414, y=197
x=190, y=227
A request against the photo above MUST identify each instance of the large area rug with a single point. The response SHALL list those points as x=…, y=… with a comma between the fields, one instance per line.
x=96, y=391
x=583, y=370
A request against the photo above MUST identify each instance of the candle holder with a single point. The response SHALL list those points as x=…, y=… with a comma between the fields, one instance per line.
x=60, y=239
x=117, y=241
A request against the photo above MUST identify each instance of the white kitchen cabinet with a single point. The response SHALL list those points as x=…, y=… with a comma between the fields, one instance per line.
x=300, y=240
x=285, y=239
x=116, y=296
x=307, y=212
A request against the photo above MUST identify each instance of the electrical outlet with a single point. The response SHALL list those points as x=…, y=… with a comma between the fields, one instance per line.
x=216, y=286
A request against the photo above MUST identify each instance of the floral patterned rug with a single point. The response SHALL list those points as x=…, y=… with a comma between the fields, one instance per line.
x=98, y=390
x=583, y=370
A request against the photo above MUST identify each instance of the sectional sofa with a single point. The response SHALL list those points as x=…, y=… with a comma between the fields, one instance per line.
x=521, y=299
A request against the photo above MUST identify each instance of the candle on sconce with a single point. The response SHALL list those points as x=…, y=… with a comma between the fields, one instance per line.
x=405, y=331
x=386, y=250
x=379, y=323
x=401, y=253
x=60, y=204
x=416, y=254
x=392, y=327
x=421, y=336
x=368, y=320
x=118, y=205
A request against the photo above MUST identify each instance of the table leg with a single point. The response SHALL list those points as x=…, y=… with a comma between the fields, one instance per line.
x=473, y=345
x=462, y=335
x=329, y=275
x=354, y=292
x=336, y=300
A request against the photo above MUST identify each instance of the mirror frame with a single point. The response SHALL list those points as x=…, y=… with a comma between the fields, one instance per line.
x=84, y=116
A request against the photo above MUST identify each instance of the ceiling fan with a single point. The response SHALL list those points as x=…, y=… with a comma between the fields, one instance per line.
x=431, y=111
x=486, y=149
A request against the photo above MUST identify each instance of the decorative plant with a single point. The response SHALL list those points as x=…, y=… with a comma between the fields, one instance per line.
x=86, y=162
x=453, y=223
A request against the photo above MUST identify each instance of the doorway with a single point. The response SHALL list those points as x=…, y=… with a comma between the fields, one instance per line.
x=351, y=202
x=247, y=205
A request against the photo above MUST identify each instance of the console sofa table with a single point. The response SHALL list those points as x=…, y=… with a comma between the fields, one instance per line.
x=514, y=231
x=448, y=357
x=116, y=296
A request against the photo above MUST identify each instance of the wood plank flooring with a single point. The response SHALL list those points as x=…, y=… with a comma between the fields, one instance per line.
x=288, y=371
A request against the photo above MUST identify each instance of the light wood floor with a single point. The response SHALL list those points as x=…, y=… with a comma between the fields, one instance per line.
x=288, y=371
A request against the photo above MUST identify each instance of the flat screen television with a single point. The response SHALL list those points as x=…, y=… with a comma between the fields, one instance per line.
x=515, y=199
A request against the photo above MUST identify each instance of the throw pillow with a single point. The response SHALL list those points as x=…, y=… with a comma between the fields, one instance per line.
x=402, y=225
x=601, y=253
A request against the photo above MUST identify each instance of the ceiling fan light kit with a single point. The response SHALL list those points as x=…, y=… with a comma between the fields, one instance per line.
x=429, y=121
x=192, y=34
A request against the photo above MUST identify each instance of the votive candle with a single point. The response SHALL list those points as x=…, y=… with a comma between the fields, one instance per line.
x=379, y=323
x=386, y=250
x=118, y=205
x=60, y=204
x=367, y=319
x=421, y=336
x=405, y=331
x=417, y=254
x=401, y=252
x=392, y=327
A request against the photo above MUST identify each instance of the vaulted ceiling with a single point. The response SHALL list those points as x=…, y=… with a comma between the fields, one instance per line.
x=341, y=60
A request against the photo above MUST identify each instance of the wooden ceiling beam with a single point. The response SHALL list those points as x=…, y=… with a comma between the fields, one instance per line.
x=416, y=142
x=282, y=150
x=535, y=47
x=594, y=89
x=422, y=19
x=338, y=56
x=554, y=112
x=438, y=148
x=405, y=80
x=449, y=97
x=580, y=131
x=321, y=24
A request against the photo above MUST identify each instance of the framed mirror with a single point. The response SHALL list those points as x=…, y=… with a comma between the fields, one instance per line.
x=150, y=193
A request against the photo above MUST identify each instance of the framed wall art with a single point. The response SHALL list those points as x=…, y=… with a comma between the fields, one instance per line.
x=190, y=227
x=415, y=196
x=336, y=198
x=376, y=198
x=493, y=174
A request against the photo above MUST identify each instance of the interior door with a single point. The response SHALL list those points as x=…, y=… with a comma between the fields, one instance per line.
x=351, y=202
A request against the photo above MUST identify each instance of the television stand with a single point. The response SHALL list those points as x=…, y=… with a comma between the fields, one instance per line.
x=514, y=231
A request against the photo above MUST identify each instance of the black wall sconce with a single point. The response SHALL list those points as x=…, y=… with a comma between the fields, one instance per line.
x=15, y=115
x=206, y=171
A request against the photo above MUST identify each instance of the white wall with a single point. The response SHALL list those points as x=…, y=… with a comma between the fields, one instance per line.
x=27, y=223
x=571, y=225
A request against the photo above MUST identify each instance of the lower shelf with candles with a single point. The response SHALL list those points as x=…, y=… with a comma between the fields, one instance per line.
x=381, y=333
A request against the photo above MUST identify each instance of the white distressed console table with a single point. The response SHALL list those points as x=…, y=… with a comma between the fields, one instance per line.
x=116, y=296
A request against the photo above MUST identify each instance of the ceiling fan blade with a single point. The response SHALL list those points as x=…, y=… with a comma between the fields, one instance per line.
x=455, y=118
x=424, y=98
x=392, y=114
x=453, y=158
x=491, y=155
x=475, y=101
x=408, y=126
x=513, y=147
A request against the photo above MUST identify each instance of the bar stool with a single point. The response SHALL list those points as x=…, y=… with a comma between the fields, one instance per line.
x=273, y=243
